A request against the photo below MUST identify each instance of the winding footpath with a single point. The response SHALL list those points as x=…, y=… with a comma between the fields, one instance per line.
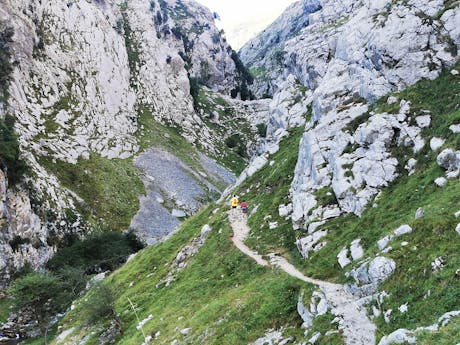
x=356, y=326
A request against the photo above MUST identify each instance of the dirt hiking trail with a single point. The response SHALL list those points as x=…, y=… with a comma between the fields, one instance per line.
x=357, y=327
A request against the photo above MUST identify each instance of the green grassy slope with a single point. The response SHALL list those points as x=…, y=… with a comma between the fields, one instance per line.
x=222, y=295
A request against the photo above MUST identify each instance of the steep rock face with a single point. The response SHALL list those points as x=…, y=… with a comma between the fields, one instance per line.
x=264, y=54
x=349, y=55
x=87, y=77
x=24, y=239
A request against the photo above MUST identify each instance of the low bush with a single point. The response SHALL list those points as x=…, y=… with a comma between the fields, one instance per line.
x=9, y=151
x=99, y=252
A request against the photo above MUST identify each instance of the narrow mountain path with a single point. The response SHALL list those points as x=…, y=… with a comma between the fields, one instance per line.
x=356, y=326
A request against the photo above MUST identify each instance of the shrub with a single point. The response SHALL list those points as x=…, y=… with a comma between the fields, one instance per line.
x=42, y=294
x=195, y=91
x=326, y=196
x=73, y=280
x=233, y=141
x=262, y=129
x=6, y=34
x=99, y=305
x=99, y=252
x=9, y=151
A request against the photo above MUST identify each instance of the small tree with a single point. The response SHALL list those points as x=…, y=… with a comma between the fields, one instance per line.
x=99, y=305
x=41, y=293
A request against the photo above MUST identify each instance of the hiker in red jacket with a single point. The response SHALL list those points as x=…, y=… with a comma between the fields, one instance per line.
x=244, y=207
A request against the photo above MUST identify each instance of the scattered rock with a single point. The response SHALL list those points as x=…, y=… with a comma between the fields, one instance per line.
x=185, y=331
x=403, y=230
x=310, y=243
x=458, y=228
x=403, y=308
x=342, y=258
x=143, y=322
x=272, y=225
x=454, y=72
x=457, y=214
x=273, y=337
x=436, y=143
x=419, y=213
x=376, y=311
x=392, y=100
x=401, y=336
x=449, y=159
x=285, y=210
x=383, y=242
x=386, y=316
x=455, y=128
x=96, y=279
x=314, y=338
x=410, y=166
x=440, y=181
x=304, y=313
x=438, y=264
x=356, y=250
x=453, y=174
x=61, y=337
x=205, y=230
x=381, y=268
x=423, y=121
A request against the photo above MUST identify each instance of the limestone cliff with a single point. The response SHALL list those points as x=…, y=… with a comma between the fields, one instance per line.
x=340, y=57
x=99, y=82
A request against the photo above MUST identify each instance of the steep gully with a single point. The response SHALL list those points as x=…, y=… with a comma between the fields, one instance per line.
x=356, y=326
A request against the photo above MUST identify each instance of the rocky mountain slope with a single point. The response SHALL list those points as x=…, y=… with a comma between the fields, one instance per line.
x=356, y=183
x=398, y=259
x=90, y=85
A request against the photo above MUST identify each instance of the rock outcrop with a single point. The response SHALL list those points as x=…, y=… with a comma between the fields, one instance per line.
x=343, y=56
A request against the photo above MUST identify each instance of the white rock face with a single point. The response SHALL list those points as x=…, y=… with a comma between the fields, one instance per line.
x=457, y=229
x=85, y=71
x=340, y=69
x=24, y=238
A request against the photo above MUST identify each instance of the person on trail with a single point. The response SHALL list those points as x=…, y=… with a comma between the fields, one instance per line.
x=244, y=207
x=234, y=201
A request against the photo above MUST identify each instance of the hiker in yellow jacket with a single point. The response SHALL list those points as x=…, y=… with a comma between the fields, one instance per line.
x=234, y=201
